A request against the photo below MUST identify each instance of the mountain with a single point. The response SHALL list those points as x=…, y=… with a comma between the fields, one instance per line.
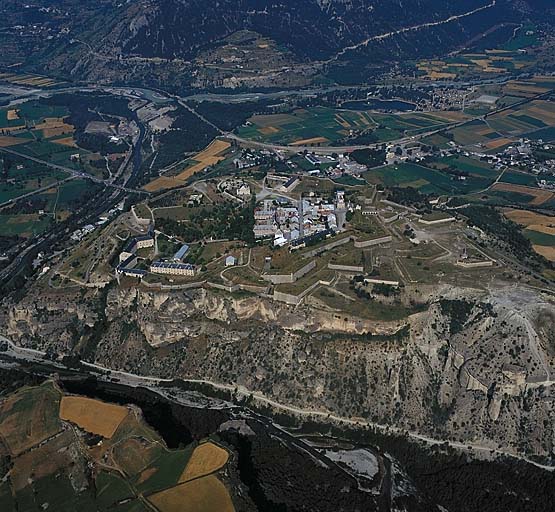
x=155, y=41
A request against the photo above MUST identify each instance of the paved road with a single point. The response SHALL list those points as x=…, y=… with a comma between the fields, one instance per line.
x=37, y=191
x=75, y=173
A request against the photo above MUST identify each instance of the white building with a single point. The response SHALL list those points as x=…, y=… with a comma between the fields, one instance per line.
x=175, y=269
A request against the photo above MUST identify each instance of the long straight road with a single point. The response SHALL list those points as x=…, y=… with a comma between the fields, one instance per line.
x=74, y=172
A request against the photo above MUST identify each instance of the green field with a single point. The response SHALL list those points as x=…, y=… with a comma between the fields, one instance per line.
x=111, y=488
x=545, y=134
x=61, y=200
x=424, y=179
x=472, y=166
x=538, y=238
x=166, y=470
x=322, y=125
x=519, y=178
x=29, y=177
x=26, y=225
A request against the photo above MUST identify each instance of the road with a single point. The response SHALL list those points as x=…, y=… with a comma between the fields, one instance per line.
x=26, y=355
x=37, y=191
x=73, y=172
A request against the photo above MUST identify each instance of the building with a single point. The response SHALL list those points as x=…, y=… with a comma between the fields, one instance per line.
x=290, y=184
x=127, y=267
x=174, y=269
x=144, y=241
x=139, y=242
x=131, y=272
x=243, y=191
x=230, y=261
x=180, y=255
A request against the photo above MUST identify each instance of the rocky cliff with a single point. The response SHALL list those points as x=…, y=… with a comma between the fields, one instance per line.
x=474, y=367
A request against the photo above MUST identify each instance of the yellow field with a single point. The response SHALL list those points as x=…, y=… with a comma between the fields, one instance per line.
x=535, y=222
x=342, y=121
x=162, y=183
x=6, y=142
x=205, y=494
x=207, y=157
x=306, y=142
x=191, y=171
x=484, y=131
x=268, y=130
x=32, y=80
x=92, y=415
x=436, y=75
x=547, y=252
x=497, y=143
x=66, y=141
x=54, y=126
x=207, y=458
x=530, y=220
x=543, y=110
x=12, y=115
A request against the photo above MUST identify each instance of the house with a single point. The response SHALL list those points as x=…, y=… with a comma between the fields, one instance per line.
x=230, y=261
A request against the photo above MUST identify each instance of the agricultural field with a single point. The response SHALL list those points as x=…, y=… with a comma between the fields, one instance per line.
x=24, y=176
x=524, y=194
x=426, y=180
x=26, y=225
x=205, y=460
x=475, y=135
x=321, y=126
x=29, y=80
x=511, y=57
x=40, y=131
x=209, y=157
x=533, y=120
x=490, y=63
x=92, y=415
x=539, y=229
x=34, y=215
x=51, y=459
x=29, y=416
x=206, y=494
x=472, y=166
